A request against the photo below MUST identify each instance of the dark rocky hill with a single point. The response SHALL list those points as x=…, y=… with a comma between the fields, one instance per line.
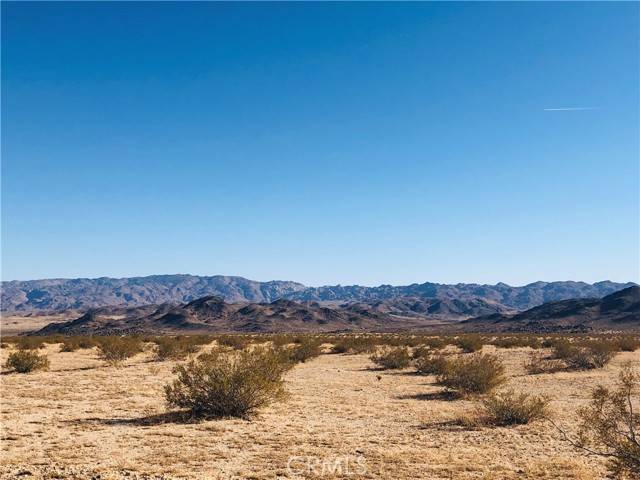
x=618, y=311
x=213, y=315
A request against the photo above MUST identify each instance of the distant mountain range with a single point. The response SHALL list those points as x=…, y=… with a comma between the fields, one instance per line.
x=82, y=294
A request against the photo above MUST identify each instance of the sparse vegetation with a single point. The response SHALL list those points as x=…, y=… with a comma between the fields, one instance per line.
x=392, y=358
x=539, y=363
x=355, y=345
x=432, y=365
x=71, y=344
x=511, y=408
x=29, y=343
x=25, y=361
x=628, y=344
x=222, y=384
x=475, y=374
x=610, y=425
x=175, y=348
x=470, y=343
x=115, y=350
x=305, y=350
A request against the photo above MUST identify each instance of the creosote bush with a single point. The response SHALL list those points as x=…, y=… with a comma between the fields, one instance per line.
x=610, y=425
x=355, y=345
x=538, y=363
x=510, y=408
x=392, y=358
x=432, y=365
x=117, y=349
x=25, y=361
x=628, y=344
x=175, y=348
x=470, y=343
x=29, y=343
x=472, y=375
x=71, y=344
x=305, y=350
x=228, y=384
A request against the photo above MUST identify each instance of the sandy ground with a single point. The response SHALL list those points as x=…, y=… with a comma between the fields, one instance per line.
x=82, y=419
x=17, y=324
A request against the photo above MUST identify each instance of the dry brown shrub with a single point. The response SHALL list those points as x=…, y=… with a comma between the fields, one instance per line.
x=472, y=375
x=392, y=358
x=25, y=361
x=231, y=384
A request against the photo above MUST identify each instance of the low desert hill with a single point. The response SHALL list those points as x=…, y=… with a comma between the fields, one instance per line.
x=618, y=311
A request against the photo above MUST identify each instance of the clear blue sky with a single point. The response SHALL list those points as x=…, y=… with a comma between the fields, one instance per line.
x=323, y=143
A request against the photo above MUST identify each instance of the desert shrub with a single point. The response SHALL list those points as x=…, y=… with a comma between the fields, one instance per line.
x=237, y=342
x=432, y=365
x=392, y=358
x=516, y=342
x=71, y=344
x=510, y=408
x=175, y=348
x=420, y=352
x=610, y=425
x=594, y=355
x=434, y=343
x=628, y=344
x=538, y=363
x=117, y=349
x=221, y=384
x=355, y=345
x=304, y=351
x=25, y=361
x=29, y=343
x=562, y=349
x=470, y=343
x=475, y=374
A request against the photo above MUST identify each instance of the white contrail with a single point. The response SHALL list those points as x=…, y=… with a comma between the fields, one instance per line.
x=568, y=109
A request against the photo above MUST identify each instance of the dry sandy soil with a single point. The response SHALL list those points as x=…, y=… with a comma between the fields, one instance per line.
x=83, y=418
x=16, y=324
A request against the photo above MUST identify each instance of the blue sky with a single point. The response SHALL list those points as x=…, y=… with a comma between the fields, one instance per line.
x=323, y=143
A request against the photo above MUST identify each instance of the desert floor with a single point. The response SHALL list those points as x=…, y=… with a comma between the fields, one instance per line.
x=342, y=420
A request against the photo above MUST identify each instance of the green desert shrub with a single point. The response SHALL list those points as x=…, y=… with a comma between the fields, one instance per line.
x=510, y=408
x=392, y=358
x=25, y=361
x=432, y=365
x=115, y=349
x=470, y=343
x=475, y=374
x=228, y=384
